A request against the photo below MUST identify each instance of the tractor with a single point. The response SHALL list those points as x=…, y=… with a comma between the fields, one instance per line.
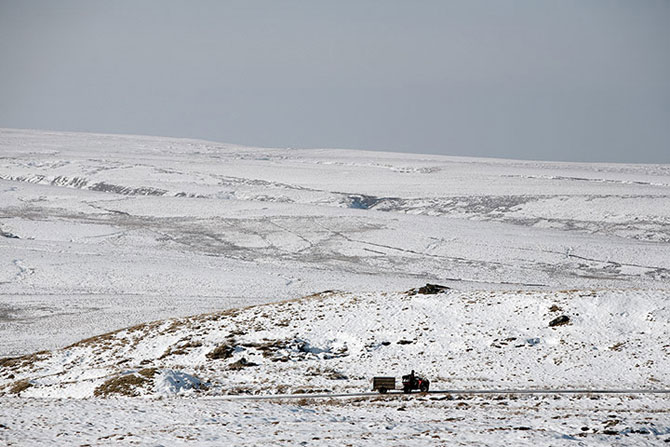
x=413, y=382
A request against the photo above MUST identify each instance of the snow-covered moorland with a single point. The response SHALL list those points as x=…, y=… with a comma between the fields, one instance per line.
x=100, y=232
x=175, y=269
x=335, y=342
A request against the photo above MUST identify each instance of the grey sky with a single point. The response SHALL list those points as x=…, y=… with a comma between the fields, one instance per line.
x=552, y=80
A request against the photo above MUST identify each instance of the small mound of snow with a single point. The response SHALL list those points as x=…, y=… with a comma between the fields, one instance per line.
x=169, y=382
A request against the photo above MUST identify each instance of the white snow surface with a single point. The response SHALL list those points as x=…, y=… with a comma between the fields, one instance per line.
x=106, y=231
x=415, y=421
x=195, y=255
x=335, y=342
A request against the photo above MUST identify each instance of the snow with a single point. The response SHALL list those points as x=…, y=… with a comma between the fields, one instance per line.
x=190, y=245
x=118, y=230
x=170, y=382
x=337, y=341
x=415, y=421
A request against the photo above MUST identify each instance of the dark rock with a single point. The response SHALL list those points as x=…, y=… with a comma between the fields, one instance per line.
x=559, y=321
x=641, y=431
x=428, y=289
x=8, y=235
x=362, y=201
x=241, y=363
x=405, y=342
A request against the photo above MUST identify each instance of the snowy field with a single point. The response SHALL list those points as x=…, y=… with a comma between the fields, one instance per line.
x=191, y=259
x=107, y=231
x=416, y=421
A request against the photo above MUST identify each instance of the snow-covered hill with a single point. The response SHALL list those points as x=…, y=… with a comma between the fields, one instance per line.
x=335, y=342
x=106, y=231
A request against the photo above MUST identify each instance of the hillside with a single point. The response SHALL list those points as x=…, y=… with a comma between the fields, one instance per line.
x=335, y=342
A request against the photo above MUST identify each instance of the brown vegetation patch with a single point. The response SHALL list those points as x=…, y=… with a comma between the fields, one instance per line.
x=617, y=346
x=107, y=338
x=240, y=364
x=124, y=385
x=175, y=326
x=180, y=349
x=267, y=347
x=223, y=351
x=19, y=386
x=9, y=362
x=148, y=373
x=144, y=327
x=93, y=340
x=328, y=373
x=24, y=360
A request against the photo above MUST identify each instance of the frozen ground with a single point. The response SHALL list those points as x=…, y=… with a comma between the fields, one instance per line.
x=334, y=343
x=99, y=233
x=106, y=231
x=466, y=420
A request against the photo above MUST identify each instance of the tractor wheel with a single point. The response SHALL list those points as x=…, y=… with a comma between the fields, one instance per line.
x=406, y=389
x=424, y=387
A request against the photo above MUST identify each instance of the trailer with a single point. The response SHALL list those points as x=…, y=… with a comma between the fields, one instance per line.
x=383, y=384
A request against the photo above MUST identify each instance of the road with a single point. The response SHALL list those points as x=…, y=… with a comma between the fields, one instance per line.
x=399, y=393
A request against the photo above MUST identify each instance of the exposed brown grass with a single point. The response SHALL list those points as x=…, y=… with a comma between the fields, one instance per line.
x=181, y=349
x=124, y=385
x=223, y=351
x=191, y=321
x=328, y=373
x=241, y=364
x=19, y=386
x=24, y=360
x=96, y=339
x=235, y=312
x=268, y=348
x=9, y=362
x=148, y=373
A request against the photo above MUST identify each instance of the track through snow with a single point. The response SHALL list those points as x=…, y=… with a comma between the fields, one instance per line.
x=447, y=392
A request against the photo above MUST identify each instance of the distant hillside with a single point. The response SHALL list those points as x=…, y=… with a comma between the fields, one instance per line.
x=100, y=232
